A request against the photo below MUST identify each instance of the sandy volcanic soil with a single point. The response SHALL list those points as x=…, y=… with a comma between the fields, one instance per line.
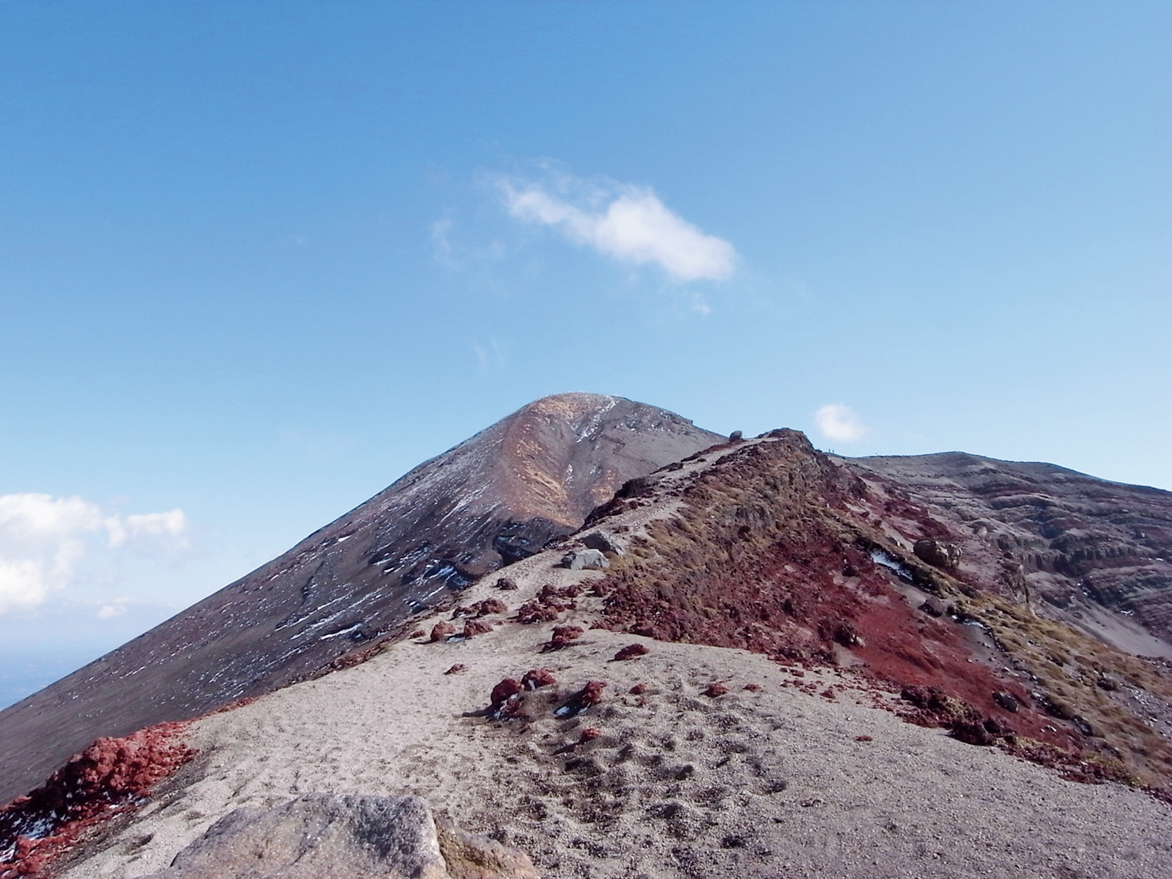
x=767, y=783
x=774, y=782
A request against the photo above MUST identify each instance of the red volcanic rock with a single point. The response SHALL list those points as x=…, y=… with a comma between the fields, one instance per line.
x=506, y=584
x=481, y=608
x=456, y=669
x=563, y=636
x=476, y=627
x=930, y=699
x=506, y=688
x=752, y=688
x=716, y=688
x=490, y=606
x=589, y=695
x=864, y=738
x=535, y=612
x=638, y=689
x=549, y=603
x=972, y=732
x=589, y=734
x=506, y=700
x=440, y=631
x=538, y=677
x=417, y=633
x=631, y=651
x=111, y=775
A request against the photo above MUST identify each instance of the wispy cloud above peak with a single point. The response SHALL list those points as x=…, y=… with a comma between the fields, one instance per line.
x=624, y=222
x=839, y=423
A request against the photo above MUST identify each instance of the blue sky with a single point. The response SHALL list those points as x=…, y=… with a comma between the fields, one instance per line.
x=259, y=259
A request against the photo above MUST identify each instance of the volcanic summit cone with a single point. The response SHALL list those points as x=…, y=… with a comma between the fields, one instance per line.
x=491, y=500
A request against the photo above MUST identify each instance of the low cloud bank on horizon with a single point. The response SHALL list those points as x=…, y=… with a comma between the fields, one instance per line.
x=44, y=541
x=627, y=223
x=838, y=422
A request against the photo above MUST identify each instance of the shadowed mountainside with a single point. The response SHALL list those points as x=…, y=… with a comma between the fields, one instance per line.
x=493, y=499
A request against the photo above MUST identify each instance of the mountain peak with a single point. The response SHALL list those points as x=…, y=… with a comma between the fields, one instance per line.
x=495, y=498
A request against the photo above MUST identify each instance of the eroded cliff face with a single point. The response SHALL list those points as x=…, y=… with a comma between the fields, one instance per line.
x=1093, y=553
x=493, y=499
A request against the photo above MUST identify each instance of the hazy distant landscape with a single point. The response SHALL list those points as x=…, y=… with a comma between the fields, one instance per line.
x=23, y=673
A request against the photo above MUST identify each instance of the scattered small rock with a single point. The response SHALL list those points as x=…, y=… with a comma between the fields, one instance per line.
x=589, y=695
x=506, y=700
x=938, y=553
x=456, y=669
x=585, y=559
x=538, y=677
x=752, y=688
x=934, y=607
x=476, y=627
x=716, y=688
x=535, y=612
x=563, y=636
x=417, y=633
x=506, y=688
x=864, y=738
x=604, y=543
x=972, y=732
x=506, y=583
x=1006, y=700
x=486, y=607
x=440, y=631
x=631, y=651
x=589, y=734
x=638, y=690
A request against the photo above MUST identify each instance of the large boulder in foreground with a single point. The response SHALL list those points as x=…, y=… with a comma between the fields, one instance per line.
x=343, y=837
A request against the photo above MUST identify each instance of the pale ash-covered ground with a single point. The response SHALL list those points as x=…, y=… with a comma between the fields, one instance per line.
x=765, y=783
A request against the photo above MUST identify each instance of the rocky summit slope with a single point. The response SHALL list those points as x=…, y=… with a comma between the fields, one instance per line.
x=755, y=660
x=751, y=663
x=491, y=500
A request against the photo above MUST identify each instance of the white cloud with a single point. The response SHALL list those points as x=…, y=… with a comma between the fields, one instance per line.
x=115, y=609
x=440, y=244
x=45, y=540
x=490, y=357
x=23, y=584
x=41, y=516
x=627, y=223
x=839, y=423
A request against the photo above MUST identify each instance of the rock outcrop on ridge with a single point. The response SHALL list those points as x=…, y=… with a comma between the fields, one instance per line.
x=343, y=837
x=491, y=500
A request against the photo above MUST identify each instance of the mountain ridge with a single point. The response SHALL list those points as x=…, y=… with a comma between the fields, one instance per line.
x=638, y=749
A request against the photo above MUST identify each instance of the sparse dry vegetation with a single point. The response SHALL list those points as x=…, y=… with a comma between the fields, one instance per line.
x=772, y=550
